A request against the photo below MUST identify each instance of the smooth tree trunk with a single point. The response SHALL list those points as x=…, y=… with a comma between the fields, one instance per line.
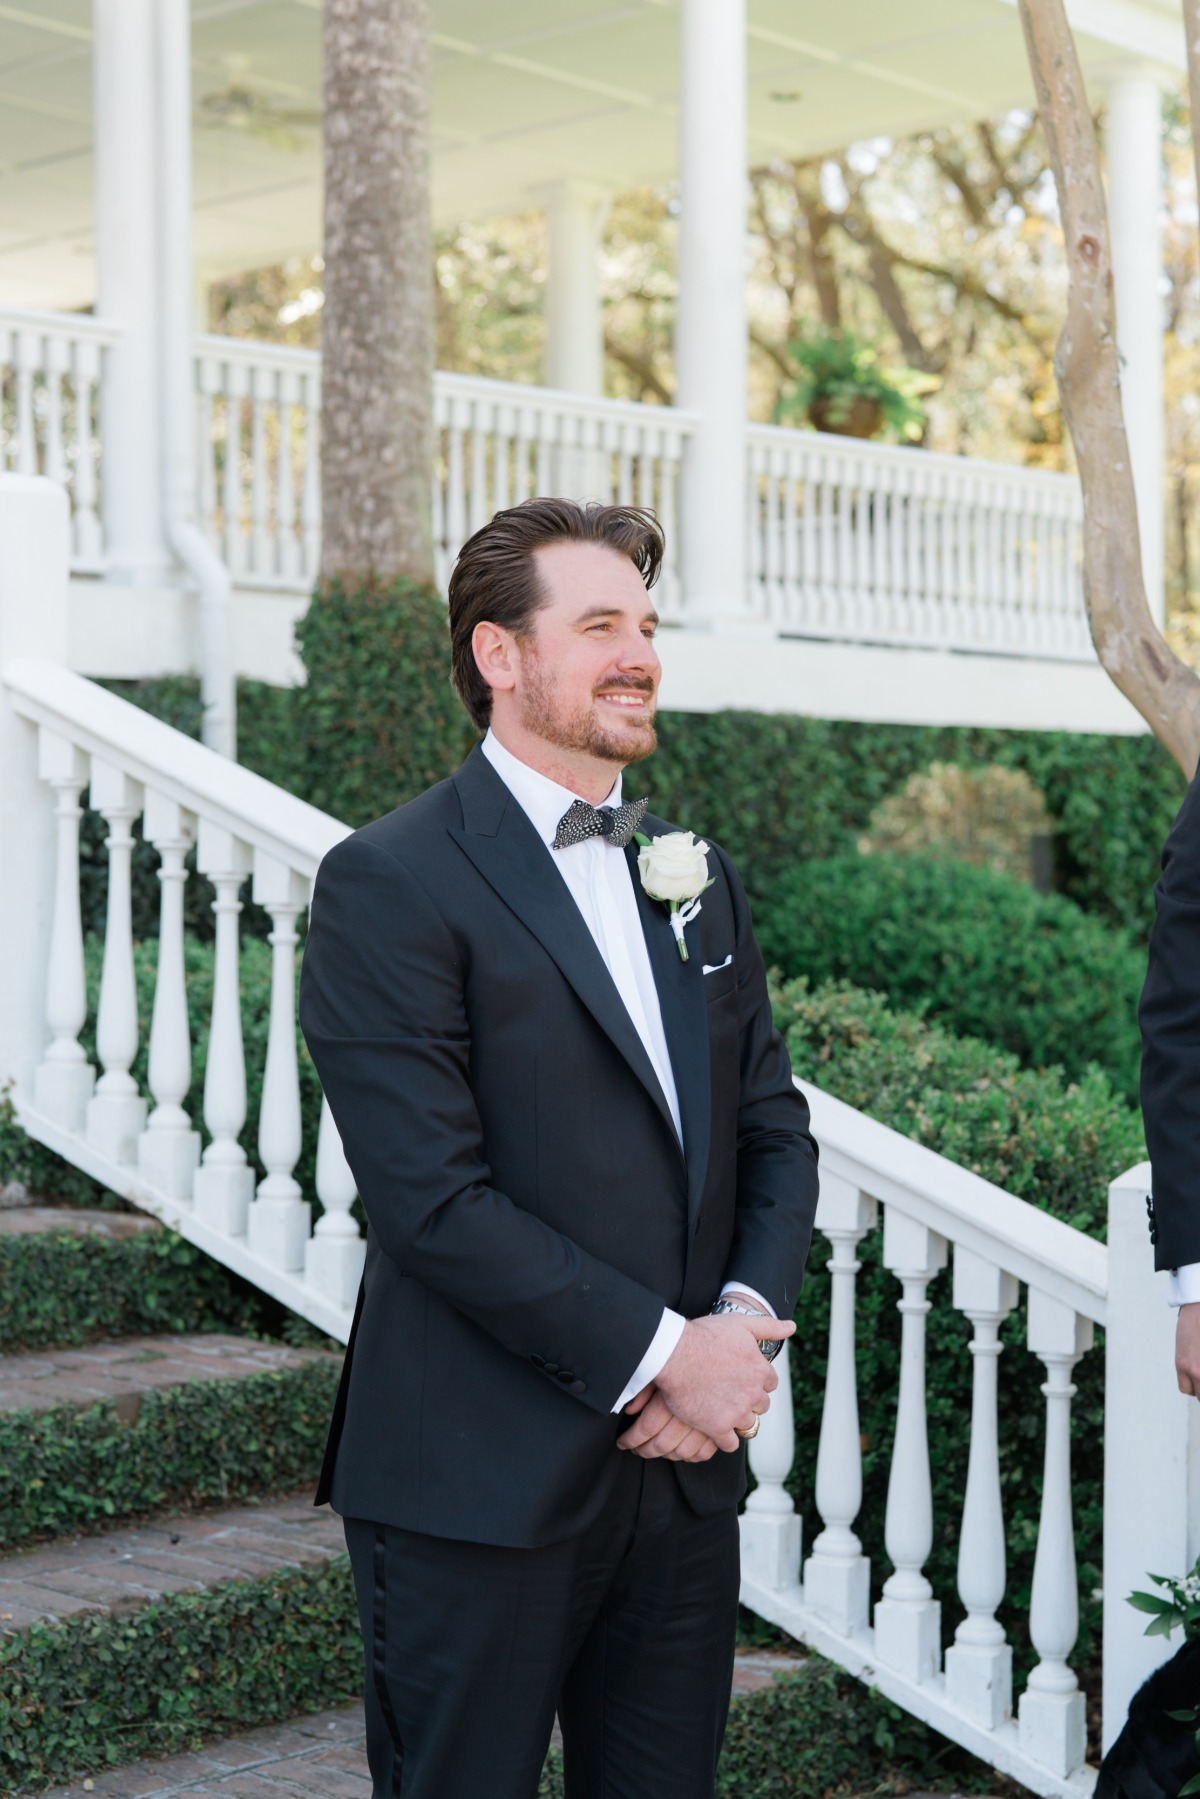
x=377, y=329
x=1129, y=644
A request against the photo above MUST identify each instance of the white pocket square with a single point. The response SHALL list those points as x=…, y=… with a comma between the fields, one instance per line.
x=712, y=967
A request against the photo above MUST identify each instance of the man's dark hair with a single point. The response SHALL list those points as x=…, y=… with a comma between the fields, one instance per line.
x=495, y=579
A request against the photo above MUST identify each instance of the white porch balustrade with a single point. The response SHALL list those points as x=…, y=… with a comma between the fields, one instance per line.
x=846, y=541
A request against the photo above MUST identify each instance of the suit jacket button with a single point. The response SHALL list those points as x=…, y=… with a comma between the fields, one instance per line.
x=537, y=1361
x=550, y=1367
x=578, y=1386
x=565, y=1376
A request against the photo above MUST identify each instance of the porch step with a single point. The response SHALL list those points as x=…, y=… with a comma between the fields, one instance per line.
x=323, y=1755
x=124, y=1427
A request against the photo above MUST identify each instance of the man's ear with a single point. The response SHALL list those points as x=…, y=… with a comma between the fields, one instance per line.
x=495, y=653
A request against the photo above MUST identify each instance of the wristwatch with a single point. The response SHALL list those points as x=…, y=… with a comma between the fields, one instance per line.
x=771, y=1345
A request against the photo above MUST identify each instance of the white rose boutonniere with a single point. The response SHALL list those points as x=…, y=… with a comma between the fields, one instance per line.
x=674, y=870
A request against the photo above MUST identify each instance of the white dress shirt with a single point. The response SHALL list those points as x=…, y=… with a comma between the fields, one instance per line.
x=1183, y=1285
x=598, y=879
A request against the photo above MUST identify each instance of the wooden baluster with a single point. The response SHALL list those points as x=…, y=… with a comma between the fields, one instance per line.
x=224, y=1183
x=456, y=496
x=280, y=1218
x=755, y=599
x=477, y=497
x=908, y=1618
x=776, y=469
x=261, y=384
x=28, y=365
x=208, y=384
x=231, y=483
x=547, y=439
x=979, y=1662
x=168, y=1148
x=287, y=544
x=501, y=454
x=522, y=467
x=837, y=1575
x=65, y=1079
x=770, y=1526
x=116, y=1113
x=54, y=464
x=334, y=1254
x=85, y=371
x=626, y=442
x=672, y=455
x=1052, y=1723
x=310, y=505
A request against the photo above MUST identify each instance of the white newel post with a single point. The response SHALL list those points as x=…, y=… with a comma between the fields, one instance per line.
x=837, y=1575
x=335, y=1253
x=1151, y=1449
x=1053, y=1728
x=126, y=285
x=116, y=1113
x=1134, y=166
x=224, y=1183
x=169, y=1149
x=34, y=551
x=65, y=1079
x=770, y=1524
x=979, y=1661
x=280, y=1217
x=711, y=325
x=908, y=1618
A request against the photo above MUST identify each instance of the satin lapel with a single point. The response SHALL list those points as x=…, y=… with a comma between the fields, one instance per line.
x=684, y=1006
x=512, y=859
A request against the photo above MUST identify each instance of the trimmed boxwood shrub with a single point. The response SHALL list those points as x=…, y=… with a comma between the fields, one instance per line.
x=983, y=952
x=209, y=1442
x=1055, y=1144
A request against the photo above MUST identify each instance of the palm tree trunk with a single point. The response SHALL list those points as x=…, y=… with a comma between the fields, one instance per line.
x=377, y=330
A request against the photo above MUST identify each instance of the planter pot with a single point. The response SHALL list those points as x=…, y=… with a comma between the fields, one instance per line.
x=862, y=419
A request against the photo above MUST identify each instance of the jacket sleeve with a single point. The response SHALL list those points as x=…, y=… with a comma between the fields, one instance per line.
x=1169, y=1016
x=777, y=1155
x=384, y=1016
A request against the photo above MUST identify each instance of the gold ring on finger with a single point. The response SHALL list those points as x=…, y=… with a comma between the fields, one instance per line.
x=746, y=1435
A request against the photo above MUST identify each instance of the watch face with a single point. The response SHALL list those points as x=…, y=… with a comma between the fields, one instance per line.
x=771, y=1349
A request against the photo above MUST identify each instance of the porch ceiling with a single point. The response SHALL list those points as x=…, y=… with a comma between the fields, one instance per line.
x=525, y=92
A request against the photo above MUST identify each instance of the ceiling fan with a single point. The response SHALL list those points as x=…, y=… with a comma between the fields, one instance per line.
x=240, y=106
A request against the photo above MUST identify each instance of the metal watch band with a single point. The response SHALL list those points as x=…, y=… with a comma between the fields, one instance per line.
x=771, y=1345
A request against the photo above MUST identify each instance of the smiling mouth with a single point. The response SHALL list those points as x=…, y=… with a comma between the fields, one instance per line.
x=626, y=700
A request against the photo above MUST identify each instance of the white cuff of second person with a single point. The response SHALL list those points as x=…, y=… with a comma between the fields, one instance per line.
x=1183, y=1285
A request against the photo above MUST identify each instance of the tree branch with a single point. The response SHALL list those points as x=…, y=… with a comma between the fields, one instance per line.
x=1129, y=644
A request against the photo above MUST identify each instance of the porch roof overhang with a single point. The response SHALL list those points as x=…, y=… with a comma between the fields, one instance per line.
x=525, y=93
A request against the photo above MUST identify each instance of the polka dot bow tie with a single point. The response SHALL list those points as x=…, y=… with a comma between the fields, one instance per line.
x=581, y=821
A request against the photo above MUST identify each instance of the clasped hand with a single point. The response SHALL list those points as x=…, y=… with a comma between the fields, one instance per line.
x=715, y=1384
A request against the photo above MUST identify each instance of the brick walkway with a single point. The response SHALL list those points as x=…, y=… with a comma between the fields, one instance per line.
x=76, y=1221
x=321, y=1757
x=123, y=1370
x=189, y=1554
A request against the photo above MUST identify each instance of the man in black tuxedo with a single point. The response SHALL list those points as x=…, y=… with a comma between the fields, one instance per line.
x=590, y=1189
x=1169, y=1016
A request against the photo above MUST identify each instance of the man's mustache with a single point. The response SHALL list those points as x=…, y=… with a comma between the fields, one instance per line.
x=642, y=686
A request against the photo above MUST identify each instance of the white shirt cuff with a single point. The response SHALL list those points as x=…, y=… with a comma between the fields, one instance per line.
x=741, y=1287
x=1183, y=1285
x=662, y=1347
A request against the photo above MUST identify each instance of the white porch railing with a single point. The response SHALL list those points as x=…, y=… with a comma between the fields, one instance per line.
x=51, y=366
x=848, y=541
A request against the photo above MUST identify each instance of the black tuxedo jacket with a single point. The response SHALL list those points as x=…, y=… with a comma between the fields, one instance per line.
x=1170, y=1019
x=530, y=1208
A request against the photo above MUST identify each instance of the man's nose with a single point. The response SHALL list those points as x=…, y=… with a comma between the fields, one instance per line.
x=638, y=652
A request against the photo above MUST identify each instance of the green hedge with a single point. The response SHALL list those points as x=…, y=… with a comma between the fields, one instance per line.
x=772, y=790
x=213, y=1441
x=818, y=1733
x=1055, y=1144
x=982, y=952
x=65, y=1289
x=99, y=1690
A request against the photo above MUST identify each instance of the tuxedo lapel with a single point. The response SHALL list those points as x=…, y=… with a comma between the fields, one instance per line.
x=684, y=1007
x=513, y=860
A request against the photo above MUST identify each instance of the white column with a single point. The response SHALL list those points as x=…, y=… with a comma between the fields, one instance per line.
x=280, y=1217
x=224, y=1183
x=126, y=284
x=65, y=1079
x=770, y=1524
x=1151, y=1450
x=335, y=1253
x=574, y=358
x=1133, y=142
x=908, y=1618
x=169, y=1149
x=35, y=537
x=1051, y=1718
x=116, y=1113
x=837, y=1575
x=710, y=332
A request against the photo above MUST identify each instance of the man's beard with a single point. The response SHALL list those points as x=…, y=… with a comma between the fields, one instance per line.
x=546, y=716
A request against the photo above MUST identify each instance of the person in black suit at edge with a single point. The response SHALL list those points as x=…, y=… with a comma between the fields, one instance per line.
x=1169, y=1016
x=590, y=1187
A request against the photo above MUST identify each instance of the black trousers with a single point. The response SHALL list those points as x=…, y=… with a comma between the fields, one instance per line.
x=627, y=1631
